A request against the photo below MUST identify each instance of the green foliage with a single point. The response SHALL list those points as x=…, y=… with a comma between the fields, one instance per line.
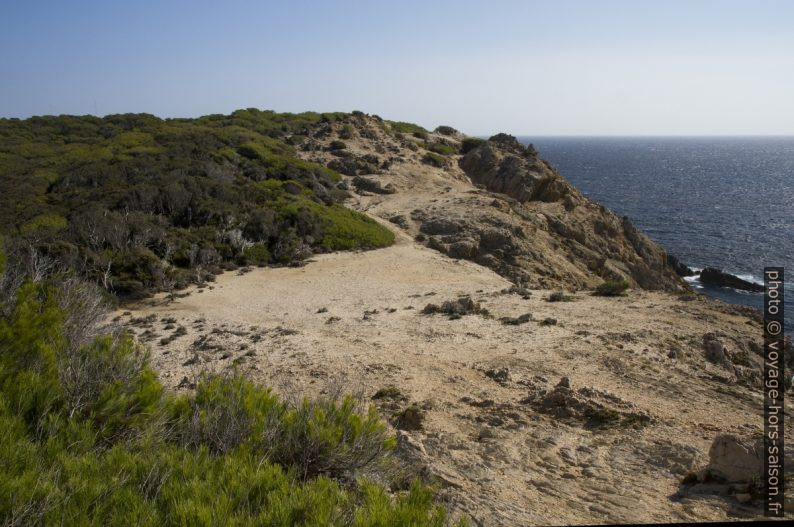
x=141, y=204
x=232, y=454
x=470, y=143
x=612, y=288
x=257, y=254
x=446, y=130
x=443, y=149
x=346, y=229
x=436, y=160
x=44, y=222
x=408, y=128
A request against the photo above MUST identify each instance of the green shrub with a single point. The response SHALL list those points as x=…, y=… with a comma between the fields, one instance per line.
x=442, y=149
x=337, y=145
x=408, y=128
x=136, y=203
x=257, y=254
x=436, y=160
x=347, y=229
x=470, y=143
x=231, y=454
x=612, y=288
x=446, y=130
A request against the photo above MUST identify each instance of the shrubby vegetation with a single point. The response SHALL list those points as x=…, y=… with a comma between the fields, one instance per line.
x=88, y=436
x=140, y=204
x=470, y=143
x=443, y=149
x=446, y=130
x=408, y=128
x=436, y=160
x=612, y=288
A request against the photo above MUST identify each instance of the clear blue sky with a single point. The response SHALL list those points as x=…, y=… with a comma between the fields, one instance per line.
x=535, y=67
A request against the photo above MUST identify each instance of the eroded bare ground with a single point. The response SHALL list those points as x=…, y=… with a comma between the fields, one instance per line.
x=642, y=409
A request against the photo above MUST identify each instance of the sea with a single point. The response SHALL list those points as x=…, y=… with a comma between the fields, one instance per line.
x=724, y=202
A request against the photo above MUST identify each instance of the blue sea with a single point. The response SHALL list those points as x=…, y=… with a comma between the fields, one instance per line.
x=725, y=202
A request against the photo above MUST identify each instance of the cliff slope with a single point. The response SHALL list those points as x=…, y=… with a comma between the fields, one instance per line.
x=499, y=205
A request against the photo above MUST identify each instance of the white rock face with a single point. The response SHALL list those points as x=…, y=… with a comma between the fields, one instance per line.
x=736, y=459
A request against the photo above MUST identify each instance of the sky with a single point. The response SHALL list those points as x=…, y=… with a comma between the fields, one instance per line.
x=556, y=67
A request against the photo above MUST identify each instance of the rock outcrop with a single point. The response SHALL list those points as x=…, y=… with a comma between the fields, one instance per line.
x=717, y=278
x=499, y=205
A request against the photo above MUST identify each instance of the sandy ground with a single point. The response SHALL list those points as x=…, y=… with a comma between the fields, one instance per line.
x=352, y=320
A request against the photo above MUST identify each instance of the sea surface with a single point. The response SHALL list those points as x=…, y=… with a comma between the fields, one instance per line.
x=725, y=202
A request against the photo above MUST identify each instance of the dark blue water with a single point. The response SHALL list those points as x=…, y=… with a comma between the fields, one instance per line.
x=720, y=202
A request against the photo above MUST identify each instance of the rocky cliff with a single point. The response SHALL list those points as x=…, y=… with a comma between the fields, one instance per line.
x=499, y=205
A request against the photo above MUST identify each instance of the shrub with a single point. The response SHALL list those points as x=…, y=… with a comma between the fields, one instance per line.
x=347, y=131
x=145, y=203
x=446, y=130
x=231, y=454
x=337, y=145
x=612, y=288
x=408, y=128
x=470, y=143
x=559, y=296
x=347, y=229
x=257, y=254
x=442, y=149
x=434, y=159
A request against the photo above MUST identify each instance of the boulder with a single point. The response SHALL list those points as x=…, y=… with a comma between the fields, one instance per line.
x=714, y=349
x=735, y=459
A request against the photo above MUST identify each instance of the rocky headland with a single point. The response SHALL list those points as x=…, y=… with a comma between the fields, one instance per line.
x=526, y=397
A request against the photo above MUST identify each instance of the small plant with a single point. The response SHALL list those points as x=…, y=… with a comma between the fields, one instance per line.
x=346, y=132
x=337, y=145
x=433, y=159
x=442, y=149
x=559, y=296
x=612, y=288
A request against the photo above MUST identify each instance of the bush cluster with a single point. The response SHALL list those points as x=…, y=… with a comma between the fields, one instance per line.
x=140, y=204
x=88, y=436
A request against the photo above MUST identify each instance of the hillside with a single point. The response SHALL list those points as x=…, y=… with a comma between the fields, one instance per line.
x=461, y=306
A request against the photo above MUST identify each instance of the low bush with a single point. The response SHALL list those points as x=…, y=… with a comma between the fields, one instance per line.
x=91, y=438
x=408, y=128
x=612, y=288
x=433, y=159
x=560, y=296
x=470, y=143
x=443, y=149
x=446, y=130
